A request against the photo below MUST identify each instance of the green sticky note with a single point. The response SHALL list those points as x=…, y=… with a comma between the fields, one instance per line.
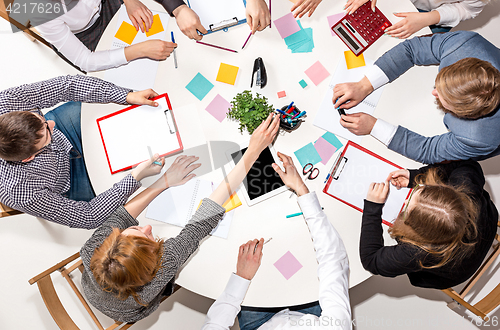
x=303, y=83
x=307, y=154
x=332, y=139
x=199, y=86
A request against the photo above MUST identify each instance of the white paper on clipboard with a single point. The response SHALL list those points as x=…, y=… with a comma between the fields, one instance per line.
x=351, y=179
x=217, y=13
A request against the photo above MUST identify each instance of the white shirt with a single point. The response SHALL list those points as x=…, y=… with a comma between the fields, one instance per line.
x=60, y=32
x=452, y=12
x=333, y=274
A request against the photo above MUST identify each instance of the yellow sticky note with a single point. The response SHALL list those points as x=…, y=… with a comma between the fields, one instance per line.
x=232, y=203
x=227, y=73
x=156, y=27
x=354, y=61
x=126, y=33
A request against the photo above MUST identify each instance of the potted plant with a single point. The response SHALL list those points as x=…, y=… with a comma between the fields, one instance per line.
x=249, y=111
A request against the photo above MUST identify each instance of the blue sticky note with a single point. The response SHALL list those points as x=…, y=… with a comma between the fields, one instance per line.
x=303, y=83
x=199, y=86
x=332, y=139
x=307, y=154
x=296, y=38
x=306, y=47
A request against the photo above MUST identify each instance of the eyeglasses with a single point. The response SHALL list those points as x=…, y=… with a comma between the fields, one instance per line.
x=418, y=186
x=45, y=147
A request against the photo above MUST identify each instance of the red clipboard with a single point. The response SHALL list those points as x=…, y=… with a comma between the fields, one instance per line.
x=171, y=113
x=339, y=165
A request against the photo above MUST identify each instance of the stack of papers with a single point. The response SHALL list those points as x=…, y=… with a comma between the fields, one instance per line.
x=298, y=39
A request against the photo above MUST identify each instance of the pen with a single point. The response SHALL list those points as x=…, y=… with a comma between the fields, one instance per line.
x=283, y=112
x=341, y=111
x=219, y=47
x=175, y=56
x=247, y=40
x=299, y=115
x=151, y=156
x=267, y=240
x=297, y=214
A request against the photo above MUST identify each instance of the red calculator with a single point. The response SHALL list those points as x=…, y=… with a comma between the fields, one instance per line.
x=361, y=29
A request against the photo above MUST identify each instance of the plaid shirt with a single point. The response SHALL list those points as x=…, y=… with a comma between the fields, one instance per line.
x=37, y=187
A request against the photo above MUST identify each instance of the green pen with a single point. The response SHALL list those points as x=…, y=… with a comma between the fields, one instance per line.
x=297, y=214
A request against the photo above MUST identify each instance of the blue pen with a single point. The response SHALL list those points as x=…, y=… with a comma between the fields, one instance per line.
x=297, y=214
x=300, y=115
x=283, y=112
x=175, y=56
x=327, y=177
x=290, y=105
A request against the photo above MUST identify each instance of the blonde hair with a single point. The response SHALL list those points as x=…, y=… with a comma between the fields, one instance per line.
x=123, y=263
x=442, y=221
x=470, y=86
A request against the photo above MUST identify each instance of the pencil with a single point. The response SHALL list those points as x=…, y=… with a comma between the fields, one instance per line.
x=219, y=47
x=247, y=40
x=266, y=241
x=270, y=19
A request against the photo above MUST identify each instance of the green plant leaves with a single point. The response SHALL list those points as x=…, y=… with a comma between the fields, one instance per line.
x=249, y=111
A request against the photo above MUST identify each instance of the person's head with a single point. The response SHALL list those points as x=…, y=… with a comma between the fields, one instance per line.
x=439, y=218
x=127, y=260
x=23, y=135
x=469, y=88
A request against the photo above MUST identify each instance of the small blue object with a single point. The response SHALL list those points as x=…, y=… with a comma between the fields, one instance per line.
x=290, y=105
x=307, y=154
x=157, y=163
x=199, y=86
x=293, y=215
x=282, y=112
x=332, y=139
x=303, y=83
x=172, y=35
x=300, y=115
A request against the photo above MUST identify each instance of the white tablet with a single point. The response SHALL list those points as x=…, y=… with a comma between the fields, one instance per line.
x=262, y=181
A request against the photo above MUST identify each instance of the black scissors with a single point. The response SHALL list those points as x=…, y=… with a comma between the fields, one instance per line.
x=311, y=170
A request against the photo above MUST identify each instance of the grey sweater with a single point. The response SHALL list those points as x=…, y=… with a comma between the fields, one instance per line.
x=175, y=252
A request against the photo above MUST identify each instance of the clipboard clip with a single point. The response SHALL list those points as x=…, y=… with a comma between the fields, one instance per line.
x=339, y=168
x=223, y=25
x=170, y=121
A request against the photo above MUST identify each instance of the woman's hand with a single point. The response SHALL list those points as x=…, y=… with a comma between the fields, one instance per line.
x=378, y=192
x=180, y=171
x=189, y=22
x=290, y=176
x=264, y=134
x=139, y=14
x=352, y=5
x=148, y=168
x=258, y=16
x=302, y=7
x=400, y=178
x=412, y=23
x=142, y=97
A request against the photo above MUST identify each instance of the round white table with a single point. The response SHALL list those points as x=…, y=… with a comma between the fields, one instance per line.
x=407, y=102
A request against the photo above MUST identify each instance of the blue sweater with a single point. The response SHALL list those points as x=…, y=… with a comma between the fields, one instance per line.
x=467, y=139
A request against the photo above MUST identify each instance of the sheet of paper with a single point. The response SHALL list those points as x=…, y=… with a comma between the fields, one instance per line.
x=126, y=33
x=317, y=73
x=227, y=73
x=360, y=170
x=307, y=154
x=128, y=135
x=138, y=74
x=332, y=139
x=324, y=149
x=286, y=25
x=353, y=61
x=199, y=86
x=288, y=265
x=216, y=11
x=222, y=229
x=332, y=19
x=328, y=117
x=303, y=83
x=218, y=108
x=156, y=27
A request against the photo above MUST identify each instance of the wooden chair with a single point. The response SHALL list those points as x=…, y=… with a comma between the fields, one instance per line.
x=5, y=211
x=492, y=299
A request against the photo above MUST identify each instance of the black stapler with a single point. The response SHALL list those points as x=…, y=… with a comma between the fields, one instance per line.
x=261, y=79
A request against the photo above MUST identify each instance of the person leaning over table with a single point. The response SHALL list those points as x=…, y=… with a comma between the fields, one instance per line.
x=439, y=15
x=127, y=271
x=333, y=310
x=467, y=90
x=444, y=232
x=42, y=166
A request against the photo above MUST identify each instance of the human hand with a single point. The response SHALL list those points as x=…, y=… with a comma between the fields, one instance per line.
x=258, y=16
x=139, y=14
x=358, y=123
x=378, y=192
x=179, y=172
x=352, y=5
x=142, y=97
x=189, y=22
x=264, y=134
x=156, y=49
x=249, y=259
x=412, y=23
x=148, y=168
x=301, y=7
x=400, y=178
x=290, y=176
x=352, y=92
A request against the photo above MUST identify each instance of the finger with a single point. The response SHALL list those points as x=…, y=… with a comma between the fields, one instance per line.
x=151, y=18
x=371, y=186
x=253, y=246
x=374, y=3
x=195, y=34
x=134, y=23
x=386, y=188
x=255, y=25
x=187, y=178
x=200, y=27
x=178, y=159
x=395, y=26
x=278, y=170
x=297, y=4
x=152, y=93
x=258, y=251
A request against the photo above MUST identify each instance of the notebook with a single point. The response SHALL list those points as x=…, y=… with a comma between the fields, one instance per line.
x=328, y=117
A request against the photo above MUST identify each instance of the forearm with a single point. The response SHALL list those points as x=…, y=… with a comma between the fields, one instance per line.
x=171, y=5
x=137, y=204
x=453, y=13
x=134, y=52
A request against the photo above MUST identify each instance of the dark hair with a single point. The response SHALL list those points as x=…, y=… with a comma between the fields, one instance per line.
x=20, y=131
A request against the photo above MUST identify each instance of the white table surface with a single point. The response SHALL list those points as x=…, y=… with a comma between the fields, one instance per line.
x=407, y=102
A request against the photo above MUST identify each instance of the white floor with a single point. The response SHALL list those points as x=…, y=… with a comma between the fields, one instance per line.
x=28, y=246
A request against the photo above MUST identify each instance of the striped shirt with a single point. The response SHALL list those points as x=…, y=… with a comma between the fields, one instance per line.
x=38, y=187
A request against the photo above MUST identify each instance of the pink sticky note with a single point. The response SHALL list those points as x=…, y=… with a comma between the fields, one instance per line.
x=288, y=265
x=324, y=149
x=218, y=108
x=334, y=19
x=317, y=73
x=286, y=25
x=281, y=94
